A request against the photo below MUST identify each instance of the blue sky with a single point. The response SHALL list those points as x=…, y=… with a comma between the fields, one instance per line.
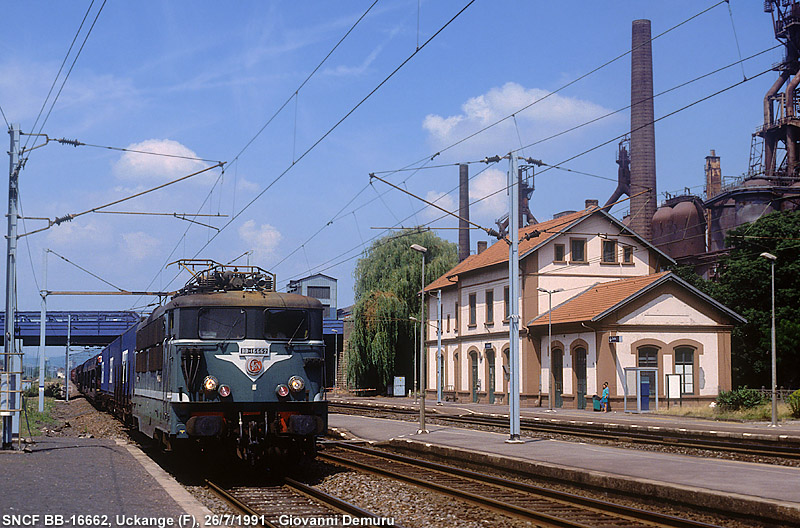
x=201, y=78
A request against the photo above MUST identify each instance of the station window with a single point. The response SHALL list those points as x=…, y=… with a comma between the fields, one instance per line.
x=448, y=322
x=559, y=253
x=473, y=310
x=609, y=251
x=648, y=357
x=577, y=247
x=489, y=306
x=505, y=303
x=684, y=365
x=627, y=254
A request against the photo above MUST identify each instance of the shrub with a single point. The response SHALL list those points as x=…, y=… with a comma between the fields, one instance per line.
x=742, y=398
x=794, y=403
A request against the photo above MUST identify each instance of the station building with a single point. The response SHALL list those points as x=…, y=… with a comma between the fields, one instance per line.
x=614, y=305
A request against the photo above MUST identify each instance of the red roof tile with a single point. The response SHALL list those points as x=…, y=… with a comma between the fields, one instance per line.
x=497, y=253
x=597, y=299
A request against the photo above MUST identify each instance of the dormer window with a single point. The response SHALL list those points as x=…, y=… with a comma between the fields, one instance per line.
x=609, y=251
x=559, y=253
x=577, y=247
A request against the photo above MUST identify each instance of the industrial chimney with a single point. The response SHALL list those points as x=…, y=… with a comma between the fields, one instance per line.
x=643, y=140
x=713, y=175
x=463, y=211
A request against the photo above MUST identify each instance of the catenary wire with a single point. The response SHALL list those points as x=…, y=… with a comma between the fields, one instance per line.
x=66, y=77
x=335, y=125
x=60, y=69
x=101, y=279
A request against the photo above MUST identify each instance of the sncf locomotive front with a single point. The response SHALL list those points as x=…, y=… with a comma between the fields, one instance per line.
x=231, y=363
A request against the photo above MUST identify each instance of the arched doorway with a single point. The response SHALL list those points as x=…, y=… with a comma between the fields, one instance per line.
x=558, y=377
x=648, y=357
x=579, y=365
x=490, y=374
x=506, y=373
x=474, y=380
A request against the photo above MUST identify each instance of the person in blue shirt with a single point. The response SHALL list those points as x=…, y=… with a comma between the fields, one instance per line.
x=604, y=398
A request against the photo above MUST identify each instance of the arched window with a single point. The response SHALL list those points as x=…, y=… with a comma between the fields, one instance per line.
x=684, y=365
x=648, y=357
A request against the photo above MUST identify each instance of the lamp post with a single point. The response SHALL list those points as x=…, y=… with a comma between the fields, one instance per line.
x=335, y=357
x=551, y=390
x=422, y=366
x=414, y=386
x=772, y=258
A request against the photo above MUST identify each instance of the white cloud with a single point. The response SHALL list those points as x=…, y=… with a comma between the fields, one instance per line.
x=482, y=186
x=247, y=185
x=147, y=168
x=552, y=114
x=262, y=239
x=79, y=235
x=139, y=245
x=445, y=201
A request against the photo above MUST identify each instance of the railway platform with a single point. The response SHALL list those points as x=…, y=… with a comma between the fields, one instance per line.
x=739, y=488
x=67, y=481
x=786, y=432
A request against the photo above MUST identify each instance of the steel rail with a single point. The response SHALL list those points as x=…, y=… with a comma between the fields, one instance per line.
x=570, y=505
x=663, y=438
x=326, y=500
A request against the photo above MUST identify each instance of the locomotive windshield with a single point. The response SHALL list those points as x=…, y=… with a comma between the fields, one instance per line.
x=221, y=323
x=282, y=323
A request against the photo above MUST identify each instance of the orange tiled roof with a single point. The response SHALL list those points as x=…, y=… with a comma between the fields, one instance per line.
x=497, y=253
x=597, y=299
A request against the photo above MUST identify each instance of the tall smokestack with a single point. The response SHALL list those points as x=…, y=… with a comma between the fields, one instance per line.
x=643, y=139
x=463, y=211
x=713, y=176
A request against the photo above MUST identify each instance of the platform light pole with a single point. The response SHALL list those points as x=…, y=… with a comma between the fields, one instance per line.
x=422, y=365
x=772, y=258
x=550, y=341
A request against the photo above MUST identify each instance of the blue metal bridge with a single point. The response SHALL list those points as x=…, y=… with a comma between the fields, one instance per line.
x=93, y=327
x=86, y=327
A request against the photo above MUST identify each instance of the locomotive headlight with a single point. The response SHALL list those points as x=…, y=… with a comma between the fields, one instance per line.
x=210, y=384
x=282, y=390
x=224, y=391
x=296, y=383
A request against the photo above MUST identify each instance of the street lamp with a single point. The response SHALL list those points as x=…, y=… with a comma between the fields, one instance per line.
x=414, y=386
x=549, y=341
x=772, y=258
x=422, y=430
x=335, y=357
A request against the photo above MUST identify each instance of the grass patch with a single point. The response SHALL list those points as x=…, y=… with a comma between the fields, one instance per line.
x=37, y=419
x=759, y=413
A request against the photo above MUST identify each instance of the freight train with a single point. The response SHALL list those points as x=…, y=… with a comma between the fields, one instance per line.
x=228, y=363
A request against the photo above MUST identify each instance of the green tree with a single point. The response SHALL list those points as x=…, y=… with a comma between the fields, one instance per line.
x=386, y=294
x=743, y=285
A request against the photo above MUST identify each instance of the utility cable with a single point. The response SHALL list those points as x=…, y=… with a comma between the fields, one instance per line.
x=60, y=69
x=68, y=261
x=66, y=77
x=308, y=78
x=736, y=38
x=76, y=143
x=335, y=125
x=72, y=216
x=4, y=116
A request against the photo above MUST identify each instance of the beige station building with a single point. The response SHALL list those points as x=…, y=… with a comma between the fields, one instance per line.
x=617, y=308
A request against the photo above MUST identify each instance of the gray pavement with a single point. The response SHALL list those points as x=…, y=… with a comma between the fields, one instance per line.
x=790, y=429
x=81, y=476
x=742, y=478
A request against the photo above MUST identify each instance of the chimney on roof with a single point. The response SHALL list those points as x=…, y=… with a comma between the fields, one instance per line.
x=592, y=203
x=482, y=244
x=463, y=211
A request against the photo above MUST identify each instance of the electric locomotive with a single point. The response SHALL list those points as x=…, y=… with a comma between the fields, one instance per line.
x=231, y=363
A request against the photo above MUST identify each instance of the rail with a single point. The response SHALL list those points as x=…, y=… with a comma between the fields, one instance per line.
x=513, y=498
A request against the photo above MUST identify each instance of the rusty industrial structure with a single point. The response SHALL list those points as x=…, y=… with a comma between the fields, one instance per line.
x=692, y=228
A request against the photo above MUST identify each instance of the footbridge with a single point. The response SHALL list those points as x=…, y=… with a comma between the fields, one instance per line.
x=85, y=328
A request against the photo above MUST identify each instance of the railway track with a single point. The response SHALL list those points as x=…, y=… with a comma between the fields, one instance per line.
x=286, y=504
x=544, y=507
x=595, y=431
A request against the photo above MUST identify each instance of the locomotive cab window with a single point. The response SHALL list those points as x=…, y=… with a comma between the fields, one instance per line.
x=221, y=323
x=280, y=323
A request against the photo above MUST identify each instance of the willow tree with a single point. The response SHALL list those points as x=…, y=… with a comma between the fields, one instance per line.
x=386, y=295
